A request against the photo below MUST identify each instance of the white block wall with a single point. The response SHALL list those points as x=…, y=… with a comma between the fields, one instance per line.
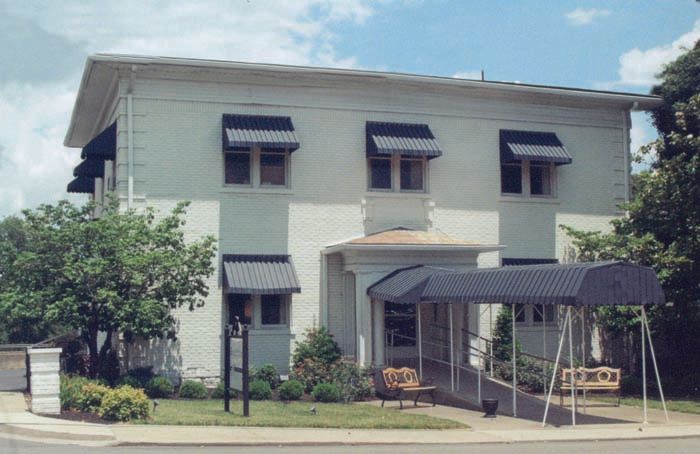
x=44, y=380
x=178, y=156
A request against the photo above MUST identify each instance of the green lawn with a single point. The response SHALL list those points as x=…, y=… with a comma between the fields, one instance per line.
x=681, y=405
x=293, y=414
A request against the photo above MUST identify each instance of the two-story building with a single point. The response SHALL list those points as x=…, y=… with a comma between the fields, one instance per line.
x=320, y=182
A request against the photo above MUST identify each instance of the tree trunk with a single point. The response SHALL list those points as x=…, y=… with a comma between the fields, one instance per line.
x=94, y=352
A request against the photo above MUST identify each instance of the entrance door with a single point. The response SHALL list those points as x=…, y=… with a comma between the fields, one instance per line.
x=400, y=331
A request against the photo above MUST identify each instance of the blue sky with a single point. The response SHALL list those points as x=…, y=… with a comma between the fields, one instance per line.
x=613, y=45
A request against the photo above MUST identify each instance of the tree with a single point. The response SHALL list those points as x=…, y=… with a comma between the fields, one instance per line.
x=662, y=229
x=118, y=272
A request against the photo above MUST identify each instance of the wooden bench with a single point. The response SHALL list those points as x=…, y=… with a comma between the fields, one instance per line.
x=399, y=384
x=599, y=379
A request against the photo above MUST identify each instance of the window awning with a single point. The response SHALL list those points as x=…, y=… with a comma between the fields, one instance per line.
x=401, y=138
x=260, y=274
x=82, y=185
x=91, y=168
x=532, y=146
x=258, y=131
x=103, y=146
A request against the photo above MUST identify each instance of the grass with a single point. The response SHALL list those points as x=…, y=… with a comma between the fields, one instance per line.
x=680, y=405
x=292, y=414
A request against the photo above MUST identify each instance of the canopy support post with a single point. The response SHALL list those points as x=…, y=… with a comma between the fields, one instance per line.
x=653, y=359
x=420, y=342
x=573, y=372
x=491, y=336
x=452, y=352
x=554, y=372
x=583, y=351
x=515, y=379
x=644, y=368
x=544, y=351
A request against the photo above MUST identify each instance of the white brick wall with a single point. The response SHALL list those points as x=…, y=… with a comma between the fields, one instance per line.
x=177, y=156
x=45, y=384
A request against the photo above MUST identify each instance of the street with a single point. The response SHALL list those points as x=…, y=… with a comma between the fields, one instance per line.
x=668, y=446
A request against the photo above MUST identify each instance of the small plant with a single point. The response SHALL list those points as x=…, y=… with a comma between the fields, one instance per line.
x=124, y=404
x=129, y=380
x=326, y=392
x=260, y=390
x=312, y=372
x=192, y=389
x=352, y=381
x=218, y=392
x=159, y=387
x=318, y=344
x=269, y=374
x=291, y=390
x=71, y=387
x=90, y=397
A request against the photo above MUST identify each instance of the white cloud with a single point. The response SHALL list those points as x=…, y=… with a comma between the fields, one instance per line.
x=581, y=16
x=474, y=75
x=35, y=168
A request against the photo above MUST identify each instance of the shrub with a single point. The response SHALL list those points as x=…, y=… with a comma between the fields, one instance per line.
x=291, y=390
x=312, y=372
x=124, y=404
x=159, y=387
x=192, y=389
x=352, y=380
x=129, y=380
x=318, y=345
x=269, y=374
x=260, y=390
x=70, y=390
x=90, y=397
x=218, y=392
x=326, y=392
x=109, y=366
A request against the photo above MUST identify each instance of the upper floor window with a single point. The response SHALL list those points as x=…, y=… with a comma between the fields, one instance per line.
x=528, y=178
x=257, y=167
x=408, y=174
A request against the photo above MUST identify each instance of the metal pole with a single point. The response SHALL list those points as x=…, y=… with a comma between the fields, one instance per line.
x=554, y=372
x=478, y=386
x=544, y=351
x=583, y=351
x=515, y=379
x=653, y=359
x=573, y=373
x=452, y=352
x=644, y=368
x=227, y=368
x=420, y=343
x=491, y=336
x=246, y=373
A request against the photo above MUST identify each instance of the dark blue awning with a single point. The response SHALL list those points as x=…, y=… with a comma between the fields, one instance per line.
x=82, y=185
x=258, y=131
x=260, y=274
x=91, y=168
x=103, y=146
x=401, y=138
x=532, y=146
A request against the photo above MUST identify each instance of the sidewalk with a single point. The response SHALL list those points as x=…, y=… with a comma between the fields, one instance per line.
x=16, y=422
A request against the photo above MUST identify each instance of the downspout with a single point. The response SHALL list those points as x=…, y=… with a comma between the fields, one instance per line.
x=626, y=143
x=130, y=138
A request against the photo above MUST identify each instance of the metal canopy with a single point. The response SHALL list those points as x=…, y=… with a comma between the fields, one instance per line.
x=405, y=285
x=401, y=138
x=245, y=131
x=91, y=168
x=103, y=146
x=260, y=274
x=576, y=284
x=81, y=185
x=532, y=146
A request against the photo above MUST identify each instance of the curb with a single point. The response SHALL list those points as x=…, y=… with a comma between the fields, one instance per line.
x=44, y=434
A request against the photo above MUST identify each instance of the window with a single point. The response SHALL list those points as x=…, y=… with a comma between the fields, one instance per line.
x=257, y=167
x=537, y=313
x=540, y=179
x=520, y=313
x=241, y=306
x=400, y=319
x=408, y=174
x=511, y=178
x=273, y=310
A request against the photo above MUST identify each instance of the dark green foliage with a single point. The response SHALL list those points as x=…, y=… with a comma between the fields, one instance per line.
x=326, y=392
x=70, y=389
x=120, y=272
x=159, y=387
x=129, y=380
x=268, y=373
x=260, y=390
x=317, y=345
x=191, y=389
x=291, y=390
x=109, y=366
x=218, y=392
x=124, y=404
x=90, y=397
x=352, y=380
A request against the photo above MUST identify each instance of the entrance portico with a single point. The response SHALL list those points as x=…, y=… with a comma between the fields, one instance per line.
x=369, y=259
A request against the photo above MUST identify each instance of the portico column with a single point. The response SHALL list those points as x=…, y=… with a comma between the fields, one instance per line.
x=363, y=319
x=378, y=331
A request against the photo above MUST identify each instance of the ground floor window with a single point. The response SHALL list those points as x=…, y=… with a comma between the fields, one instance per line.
x=400, y=319
x=273, y=310
x=241, y=306
x=259, y=311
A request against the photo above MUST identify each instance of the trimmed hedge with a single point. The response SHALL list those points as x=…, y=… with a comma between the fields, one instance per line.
x=291, y=390
x=268, y=373
x=124, y=404
x=192, y=389
x=218, y=392
x=260, y=390
x=326, y=392
x=159, y=387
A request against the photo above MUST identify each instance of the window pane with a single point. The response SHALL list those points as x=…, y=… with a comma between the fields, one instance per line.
x=272, y=310
x=238, y=168
x=401, y=320
x=540, y=180
x=537, y=313
x=511, y=179
x=272, y=169
x=549, y=313
x=380, y=170
x=411, y=174
x=519, y=312
x=239, y=305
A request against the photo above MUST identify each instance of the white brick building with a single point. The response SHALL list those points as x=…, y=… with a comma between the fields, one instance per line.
x=336, y=181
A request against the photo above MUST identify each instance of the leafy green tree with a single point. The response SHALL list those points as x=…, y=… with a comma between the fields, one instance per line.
x=117, y=272
x=662, y=229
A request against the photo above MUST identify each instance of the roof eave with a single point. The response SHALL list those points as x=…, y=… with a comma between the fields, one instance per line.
x=414, y=247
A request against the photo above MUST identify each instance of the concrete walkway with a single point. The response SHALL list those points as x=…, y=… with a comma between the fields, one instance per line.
x=17, y=423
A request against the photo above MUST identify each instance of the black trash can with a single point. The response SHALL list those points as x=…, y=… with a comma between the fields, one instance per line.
x=490, y=406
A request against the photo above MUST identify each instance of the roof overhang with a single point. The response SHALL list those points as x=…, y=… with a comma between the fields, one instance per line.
x=99, y=85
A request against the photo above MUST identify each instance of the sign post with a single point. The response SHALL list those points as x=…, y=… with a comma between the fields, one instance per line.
x=236, y=373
